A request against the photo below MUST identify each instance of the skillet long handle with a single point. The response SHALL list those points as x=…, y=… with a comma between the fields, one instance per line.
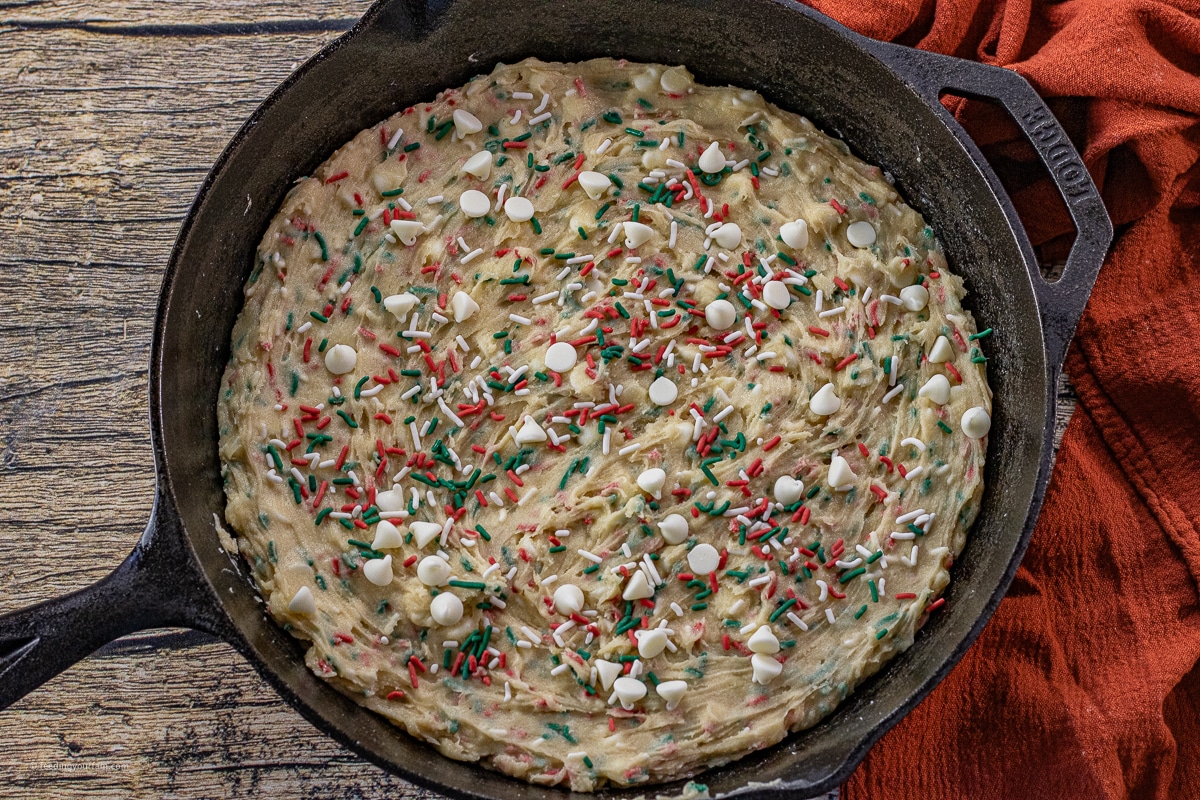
x=154, y=587
x=1060, y=303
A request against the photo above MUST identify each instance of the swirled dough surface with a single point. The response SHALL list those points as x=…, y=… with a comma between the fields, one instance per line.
x=629, y=488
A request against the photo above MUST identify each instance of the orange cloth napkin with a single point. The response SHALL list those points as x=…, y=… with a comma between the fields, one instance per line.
x=1086, y=683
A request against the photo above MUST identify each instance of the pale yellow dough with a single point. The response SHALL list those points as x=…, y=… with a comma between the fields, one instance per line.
x=560, y=725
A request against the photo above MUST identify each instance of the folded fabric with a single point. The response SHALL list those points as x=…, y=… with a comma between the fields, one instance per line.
x=1086, y=683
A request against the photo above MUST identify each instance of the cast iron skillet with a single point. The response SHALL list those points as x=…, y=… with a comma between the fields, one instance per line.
x=881, y=99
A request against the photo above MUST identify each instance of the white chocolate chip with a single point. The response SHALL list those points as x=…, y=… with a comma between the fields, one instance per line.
x=401, y=304
x=703, y=559
x=479, y=165
x=608, y=672
x=936, y=389
x=776, y=295
x=387, y=535
x=720, y=314
x=378, y=570
x=652, y=481
x=976, y=423
x=712, y=160
x=595, y=184
x=860, y=234
x=530, y=432
x=941, y=352
x=391, y=500
x=463, y=306
x=474, y=203
x=728, y=235
x=446, y=609
x=518, y=209
x=636, y=234
x=568, y=599
x=560, y=357
x=675, y=80
x=303, y=602
x=340, y=359
x=629, y=691
x=915, y=297
x=841, y=477
x=825, y=401
x=433, y=570
x=466, y=123
x=763, y=641
x=672, y=692
x=663, y=391
x=424, y=532
x=638, y=587
x=407, y=230
x=650, y=642
x=788, y=490
x=674, y=528
x=766, y=669
x=794, y=234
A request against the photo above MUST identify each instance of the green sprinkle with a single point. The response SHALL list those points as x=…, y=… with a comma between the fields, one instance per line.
x=851, y=575
x=537, y=226
x=408, y=148
x=322, y=514
x=611, y=116
x=358, y=386
x=467, y=584
x=699, y=606
x=779, y=612
x=945, y=428
x=499, y=334
x=634, y=132
x=347, y=418
x=603, y=209
x=980, y=335
x=582, y=233
x=874, y=591
x=392, y=193
x=858, y=614
x=317, y=316
x=882, y=633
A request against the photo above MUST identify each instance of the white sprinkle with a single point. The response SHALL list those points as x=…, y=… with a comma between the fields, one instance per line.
x=607, y=143
x=629, y=448
x=910, y=516
x=545, y=298
x=833, y=312
x=595, y=559
x=893, y=392
x=516, y=118
x=517, y=318
x=395, y=140
x=893, y=368
x=471, y=256
x=539, y=118
x=824, y=591
x=917, y=443
x=433, y=201
x=580, y=259
x=799, y=623
x=522, y=95
x=542, y=105
x=913, y=473
x=829, y=615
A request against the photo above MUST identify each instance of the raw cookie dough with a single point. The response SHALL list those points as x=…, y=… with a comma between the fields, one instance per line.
x=598, y=425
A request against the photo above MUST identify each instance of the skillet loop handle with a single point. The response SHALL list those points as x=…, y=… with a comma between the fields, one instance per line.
x=1060, y=303
x=151, y=588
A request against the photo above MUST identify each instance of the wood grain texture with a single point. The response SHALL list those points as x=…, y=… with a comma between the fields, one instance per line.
x=110, y=115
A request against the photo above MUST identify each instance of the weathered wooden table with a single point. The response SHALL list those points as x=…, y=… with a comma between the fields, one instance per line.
x=111, y=113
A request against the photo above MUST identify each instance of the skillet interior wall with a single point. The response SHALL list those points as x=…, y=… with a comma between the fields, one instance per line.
x=796, y=62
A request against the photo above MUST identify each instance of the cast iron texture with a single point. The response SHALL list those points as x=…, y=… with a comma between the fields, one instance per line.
x=881, y=99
